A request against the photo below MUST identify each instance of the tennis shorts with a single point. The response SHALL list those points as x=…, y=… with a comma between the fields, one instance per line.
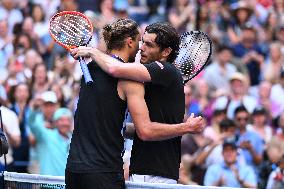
x=151, y=179
x=94, y=180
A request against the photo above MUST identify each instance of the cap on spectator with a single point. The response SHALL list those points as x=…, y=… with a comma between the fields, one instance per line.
x=241, y=5
x=120, y=5
x=259, y=111
x=62, y=112
x=238, y=76
x=49, y=96
x=230, y=143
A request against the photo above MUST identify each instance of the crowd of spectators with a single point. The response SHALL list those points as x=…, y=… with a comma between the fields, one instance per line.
x=240, y=93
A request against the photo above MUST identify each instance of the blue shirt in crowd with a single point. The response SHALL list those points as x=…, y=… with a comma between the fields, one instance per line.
x=216, y=171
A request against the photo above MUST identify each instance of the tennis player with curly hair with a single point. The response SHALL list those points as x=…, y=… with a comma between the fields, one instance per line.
x=95, y=157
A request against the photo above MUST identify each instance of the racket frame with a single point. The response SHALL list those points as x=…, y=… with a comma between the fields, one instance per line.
x=84, y=67
x=196, y=32
x=66, y=13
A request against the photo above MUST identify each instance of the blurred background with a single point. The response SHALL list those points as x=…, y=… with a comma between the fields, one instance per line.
x=240, y=93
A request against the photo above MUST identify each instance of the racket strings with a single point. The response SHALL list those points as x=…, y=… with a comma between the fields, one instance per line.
x=194, y=52
x=71, y=30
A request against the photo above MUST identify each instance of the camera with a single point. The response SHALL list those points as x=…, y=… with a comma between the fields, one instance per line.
x=3, y=144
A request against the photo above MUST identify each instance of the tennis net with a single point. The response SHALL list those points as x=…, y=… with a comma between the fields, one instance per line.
x=34, y=181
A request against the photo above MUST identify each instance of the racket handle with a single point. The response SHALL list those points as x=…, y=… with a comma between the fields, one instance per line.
x=86, y=72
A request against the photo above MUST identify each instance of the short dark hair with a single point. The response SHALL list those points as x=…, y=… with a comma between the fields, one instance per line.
x=241, y=108
x=167, y=36
x=218, y=112
x=226, y=124
x=223, y=48
x=114, y=34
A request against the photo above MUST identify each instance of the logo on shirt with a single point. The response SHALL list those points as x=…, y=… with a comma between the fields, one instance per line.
x=160, y=64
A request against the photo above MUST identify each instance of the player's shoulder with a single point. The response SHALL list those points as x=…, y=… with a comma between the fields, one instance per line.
x=162, y=65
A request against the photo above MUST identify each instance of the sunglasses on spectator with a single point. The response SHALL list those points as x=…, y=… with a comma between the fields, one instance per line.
x=242, y=118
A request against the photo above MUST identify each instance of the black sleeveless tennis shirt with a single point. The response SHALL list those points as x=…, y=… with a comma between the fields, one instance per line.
x=165, y=100
x=97, y=143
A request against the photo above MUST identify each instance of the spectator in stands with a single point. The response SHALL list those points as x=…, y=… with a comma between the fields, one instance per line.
x=58, y=89
x=218, y=73
x=43, y=107
x=191, y=105
x=264, y=99
x=273, y=63
x=212, y=154
x=5, y=46
x=280, y=130
x=50, y=7
x=39, y=82
x=241, y=13
x=191, y=146
x=213, y=131
x=274, y=150
x=19, y=98
x=260, y=124
x=279, y=34
x=249, y=51
x=203, y=99
x=180, y=15
x=277, y=91
x=68, y=5
x=32, y=57
x=276, y=178
x=28, y=28
x=11, y=13
x=121, y=7
x=40, y=22
x=107, y=14
x=250, y=142
x=237, y=96
x=3, y=96
x=53, y=143
x=16, y=75
x=230, y=173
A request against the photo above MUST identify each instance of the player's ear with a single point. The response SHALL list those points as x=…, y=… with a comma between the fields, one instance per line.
x=166, y=52
x=129, y=42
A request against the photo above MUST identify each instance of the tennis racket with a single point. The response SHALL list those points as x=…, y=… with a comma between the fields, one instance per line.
x=72, y=29
x=194, y=53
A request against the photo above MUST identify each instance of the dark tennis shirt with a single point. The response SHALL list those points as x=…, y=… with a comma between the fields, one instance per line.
x=97, y=143
x=165, y=100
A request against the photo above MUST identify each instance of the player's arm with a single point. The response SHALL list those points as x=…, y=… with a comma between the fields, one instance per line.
x=147, y=130
x=112, y=66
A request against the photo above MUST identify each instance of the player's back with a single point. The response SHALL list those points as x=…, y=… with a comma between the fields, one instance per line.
x=97, y=142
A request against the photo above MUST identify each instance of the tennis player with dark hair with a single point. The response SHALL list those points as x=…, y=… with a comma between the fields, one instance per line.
x=151, y=161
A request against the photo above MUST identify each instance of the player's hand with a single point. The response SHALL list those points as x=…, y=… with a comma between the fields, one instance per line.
x=246, y=145
x=81, y=51
x=195, y=124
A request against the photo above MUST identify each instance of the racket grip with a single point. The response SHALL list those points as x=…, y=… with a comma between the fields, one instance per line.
x=86, y=72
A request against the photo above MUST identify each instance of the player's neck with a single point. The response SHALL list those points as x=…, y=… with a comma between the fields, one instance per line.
x=121, y=54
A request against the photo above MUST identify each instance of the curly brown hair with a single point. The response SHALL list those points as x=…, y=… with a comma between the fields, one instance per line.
x=114, y=34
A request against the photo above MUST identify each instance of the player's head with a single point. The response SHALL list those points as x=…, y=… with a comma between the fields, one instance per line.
x=122, y=34
x=160, y=42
